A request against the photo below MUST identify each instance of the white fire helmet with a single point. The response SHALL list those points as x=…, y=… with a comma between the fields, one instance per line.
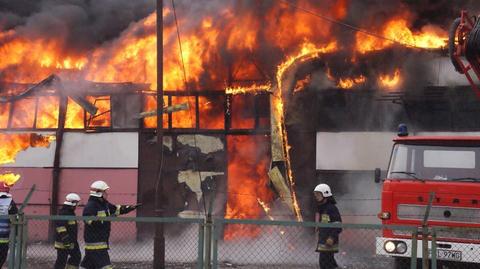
x=98, y=188
x=324, y=189
x=72, y=199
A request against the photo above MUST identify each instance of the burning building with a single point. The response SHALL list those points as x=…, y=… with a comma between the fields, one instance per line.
x=243, y=80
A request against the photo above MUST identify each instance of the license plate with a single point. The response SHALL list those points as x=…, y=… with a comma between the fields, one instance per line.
x=453, y=255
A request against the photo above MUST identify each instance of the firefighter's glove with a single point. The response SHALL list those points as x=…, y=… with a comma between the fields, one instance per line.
x=129, y=208
x=329, y=242
x=133, y=207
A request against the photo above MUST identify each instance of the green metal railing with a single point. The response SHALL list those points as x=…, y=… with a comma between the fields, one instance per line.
x=222, y=243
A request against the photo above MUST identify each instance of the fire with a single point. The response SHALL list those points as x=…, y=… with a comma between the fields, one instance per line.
x=397, y=29
x=12, y=144
x=247, y=181
x=74, y=118
x=47, y=116
x=302, y=83
x=102, y=118
x=184, y=118
x=9, y=179
x=4, y=112
x=151, y=105
x=249, y=89
x=348, y=83
x=42, y=57
x=390, y=80
x=216, y=49
x=265, y=208
x=213, y=112
x=307, y=51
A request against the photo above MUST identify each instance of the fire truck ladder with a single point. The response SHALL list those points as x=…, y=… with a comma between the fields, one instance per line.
x=464, y=41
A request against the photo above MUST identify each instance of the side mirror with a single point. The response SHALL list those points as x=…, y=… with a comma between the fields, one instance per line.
x=378, y=174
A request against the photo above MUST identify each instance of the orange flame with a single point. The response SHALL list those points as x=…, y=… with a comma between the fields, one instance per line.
x=247, y=182
x=248, y=89
x=12, y=144
x=47, y=116
x=150, y=105
x=390, y=81
x=308, y=51
x=212, y=113
x=348, y=83
x=184, y=118
x=397, y=29
x=9, y=179
x=74, y=118
x=265, y=208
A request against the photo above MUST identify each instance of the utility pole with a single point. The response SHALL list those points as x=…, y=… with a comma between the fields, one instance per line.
x=159, y=239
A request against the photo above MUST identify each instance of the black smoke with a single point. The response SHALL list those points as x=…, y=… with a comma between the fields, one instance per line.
x=80, y=24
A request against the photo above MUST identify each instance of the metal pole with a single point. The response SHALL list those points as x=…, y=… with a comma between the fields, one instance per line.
x=56, y=162
x=425, y=253
x=18, y=245
x=20, y=233
x=12, y=241
x=159, y=240
x=434, y=249
x=208, y=242
x=413, y=260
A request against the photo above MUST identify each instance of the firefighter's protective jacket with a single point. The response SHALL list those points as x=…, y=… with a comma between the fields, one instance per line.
x=66, y=231
x=328, y=214
x=7, y=207
x=97, y=233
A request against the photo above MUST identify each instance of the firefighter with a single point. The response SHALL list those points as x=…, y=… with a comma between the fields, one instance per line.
x=7, y=207
x=97, y=232
x=66, y=231
x=327, y=212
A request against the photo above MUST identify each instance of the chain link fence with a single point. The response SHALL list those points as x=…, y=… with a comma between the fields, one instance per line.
x=249, y=244
x=131, y=242
x=277, y=244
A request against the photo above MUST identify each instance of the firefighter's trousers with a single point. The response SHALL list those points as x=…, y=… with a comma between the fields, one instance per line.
x=96, y=259
x=3, y=253
x=71, y=257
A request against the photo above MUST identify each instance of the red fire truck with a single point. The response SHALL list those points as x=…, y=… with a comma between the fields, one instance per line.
x=449, y=167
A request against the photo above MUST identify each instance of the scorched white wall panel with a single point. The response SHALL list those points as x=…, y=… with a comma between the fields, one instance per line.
x=34, y=157
x=102, y=150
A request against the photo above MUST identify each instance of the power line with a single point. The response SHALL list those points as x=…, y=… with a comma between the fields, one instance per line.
x=349, y=26
x=188, y=97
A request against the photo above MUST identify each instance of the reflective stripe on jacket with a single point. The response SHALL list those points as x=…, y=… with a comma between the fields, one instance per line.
x=328, y=213
x=66, y=231
x=7, y=207
x=98, y=231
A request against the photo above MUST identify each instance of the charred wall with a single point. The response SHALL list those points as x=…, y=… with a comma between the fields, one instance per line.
x=335, y=110
x=428, y=109
x=192, y=168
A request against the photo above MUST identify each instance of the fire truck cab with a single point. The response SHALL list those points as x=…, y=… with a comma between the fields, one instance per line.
x=448, y=166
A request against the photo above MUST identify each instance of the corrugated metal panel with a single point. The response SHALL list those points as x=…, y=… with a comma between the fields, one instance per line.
x=439, y=213
x=100, y=150
x=41, y=177
x=122, y=182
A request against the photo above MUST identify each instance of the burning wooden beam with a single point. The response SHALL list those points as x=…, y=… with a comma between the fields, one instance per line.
x=167, y=109
x=281, y=187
